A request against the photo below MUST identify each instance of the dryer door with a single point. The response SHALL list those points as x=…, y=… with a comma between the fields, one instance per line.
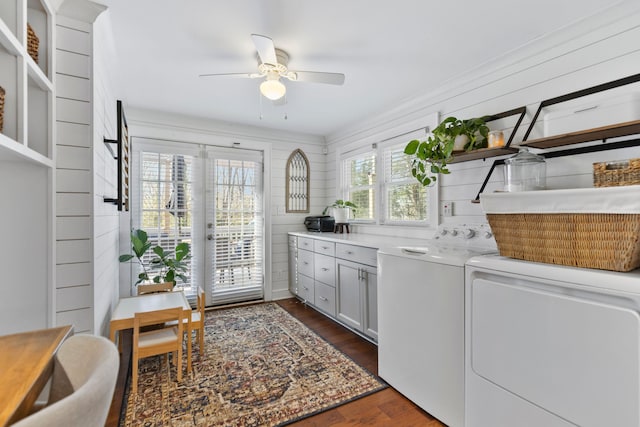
x=572, y=353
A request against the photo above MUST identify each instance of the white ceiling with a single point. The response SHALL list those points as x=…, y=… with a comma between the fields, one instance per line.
x=390, y=51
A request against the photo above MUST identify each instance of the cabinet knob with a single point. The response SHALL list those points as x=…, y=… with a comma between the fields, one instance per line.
x=323, y=299
x=325, y=247
x=349, y=252
x=325, y=269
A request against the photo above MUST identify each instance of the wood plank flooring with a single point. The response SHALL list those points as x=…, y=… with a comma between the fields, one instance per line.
x=381, y=409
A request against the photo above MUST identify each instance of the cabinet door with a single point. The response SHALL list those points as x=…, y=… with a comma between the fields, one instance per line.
x=306, y=288
x=370, y=288
x=293, y=268
x=348, y=300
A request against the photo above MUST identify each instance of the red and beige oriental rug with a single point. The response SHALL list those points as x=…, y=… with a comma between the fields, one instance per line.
x=262, y=367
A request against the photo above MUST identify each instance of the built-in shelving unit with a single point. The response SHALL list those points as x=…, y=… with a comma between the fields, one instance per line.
x=27, y=165
x=27, y=132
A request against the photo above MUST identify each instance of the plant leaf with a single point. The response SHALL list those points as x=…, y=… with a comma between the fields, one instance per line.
x=125, y=258
x=412, y=147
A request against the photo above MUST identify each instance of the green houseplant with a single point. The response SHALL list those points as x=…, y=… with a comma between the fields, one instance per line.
x=432, y=155
x=341, y=209
x=168, y=266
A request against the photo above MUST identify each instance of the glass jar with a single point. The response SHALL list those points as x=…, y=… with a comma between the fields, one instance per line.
x=525, y=171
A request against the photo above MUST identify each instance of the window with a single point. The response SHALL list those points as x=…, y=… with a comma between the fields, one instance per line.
x=380, y=183
x=164, y=206
x=359, y=176
x=405, y=199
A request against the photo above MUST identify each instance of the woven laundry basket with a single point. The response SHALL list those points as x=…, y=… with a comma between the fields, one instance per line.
x=591, y=227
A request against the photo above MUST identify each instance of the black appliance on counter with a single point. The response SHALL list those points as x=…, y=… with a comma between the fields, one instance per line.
x=319, y=223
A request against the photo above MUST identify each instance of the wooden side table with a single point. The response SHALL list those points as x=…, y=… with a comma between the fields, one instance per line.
x=340, y=226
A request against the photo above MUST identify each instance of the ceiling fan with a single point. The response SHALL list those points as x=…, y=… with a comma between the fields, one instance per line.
x=272, y=66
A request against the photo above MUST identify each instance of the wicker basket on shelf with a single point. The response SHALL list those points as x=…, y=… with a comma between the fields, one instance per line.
x=32, y=43
x=1, y=107
x=613, y=174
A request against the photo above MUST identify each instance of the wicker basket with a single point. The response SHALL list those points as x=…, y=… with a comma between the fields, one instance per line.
x=32, y=43
x=604, y=241
x=611, y=174
x=1, y=108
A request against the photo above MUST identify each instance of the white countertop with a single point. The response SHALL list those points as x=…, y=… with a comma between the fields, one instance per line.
x=359, y=239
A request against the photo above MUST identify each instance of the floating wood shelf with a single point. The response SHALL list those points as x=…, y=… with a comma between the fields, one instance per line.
x=603, y=133
x=481, y=153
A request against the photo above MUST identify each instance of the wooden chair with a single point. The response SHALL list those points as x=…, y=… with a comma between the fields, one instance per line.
x=159, y=341
x=197, y=323
x=153, y=288
x=197, y=319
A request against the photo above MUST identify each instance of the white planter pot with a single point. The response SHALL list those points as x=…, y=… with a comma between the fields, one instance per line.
x=459, y=142
x=341, y=215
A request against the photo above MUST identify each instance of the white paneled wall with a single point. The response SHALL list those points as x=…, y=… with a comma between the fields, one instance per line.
x=74, y=302
x=594, y=51
x=87, y=228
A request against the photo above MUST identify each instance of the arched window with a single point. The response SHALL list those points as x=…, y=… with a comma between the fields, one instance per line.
x=297, y=185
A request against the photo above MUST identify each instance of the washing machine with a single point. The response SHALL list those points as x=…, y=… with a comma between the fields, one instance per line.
x=550, y=345
x=421, y=318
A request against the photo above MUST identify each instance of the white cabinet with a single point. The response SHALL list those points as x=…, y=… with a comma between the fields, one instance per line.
x=27, y=172
x=357, y=296
x=338, y=279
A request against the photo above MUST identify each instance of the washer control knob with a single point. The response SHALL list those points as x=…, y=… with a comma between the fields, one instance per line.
x=488, y=234
x=443, y=232
x=468, y=233
x=454, y=232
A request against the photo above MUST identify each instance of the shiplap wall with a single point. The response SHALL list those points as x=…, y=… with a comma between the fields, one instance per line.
x=594, y=51
x=74, y=265
x=278, y=144
x=86, y=227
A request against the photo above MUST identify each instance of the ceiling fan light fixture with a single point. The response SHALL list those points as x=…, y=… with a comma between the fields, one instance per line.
x=273, y=89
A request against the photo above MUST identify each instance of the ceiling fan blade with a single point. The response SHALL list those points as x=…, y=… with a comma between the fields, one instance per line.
x=241, y=75
x=317, y=77
x=266, y=49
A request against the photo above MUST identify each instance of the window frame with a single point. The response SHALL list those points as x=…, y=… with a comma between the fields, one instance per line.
x=381, y=187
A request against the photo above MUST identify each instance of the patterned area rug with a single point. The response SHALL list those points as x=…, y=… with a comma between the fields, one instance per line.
x=262, y=367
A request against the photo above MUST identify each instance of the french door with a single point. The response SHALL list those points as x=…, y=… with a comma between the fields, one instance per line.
x=212, y=198
x=234, y=226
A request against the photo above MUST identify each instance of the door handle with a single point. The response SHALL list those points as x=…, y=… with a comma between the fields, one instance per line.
x=325, y=269
x=209, y=236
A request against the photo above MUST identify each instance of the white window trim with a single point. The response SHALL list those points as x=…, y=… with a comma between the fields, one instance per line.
x=381, y=196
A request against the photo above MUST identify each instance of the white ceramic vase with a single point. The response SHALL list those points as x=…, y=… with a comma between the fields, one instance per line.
x=459, y=142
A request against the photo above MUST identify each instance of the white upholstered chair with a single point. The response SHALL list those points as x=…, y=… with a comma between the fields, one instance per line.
x=84, y=378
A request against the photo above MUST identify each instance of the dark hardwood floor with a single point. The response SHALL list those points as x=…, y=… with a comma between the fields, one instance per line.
x=384, y=408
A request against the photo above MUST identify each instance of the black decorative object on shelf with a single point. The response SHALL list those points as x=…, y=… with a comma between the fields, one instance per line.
x=121, y=154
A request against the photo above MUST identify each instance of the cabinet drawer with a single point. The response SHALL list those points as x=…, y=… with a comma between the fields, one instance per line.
x=305, y=243
x=325, y=269
x=325, y=298
x=305, y=262
x=324, y=247
x=357, y=254
x=306, y=289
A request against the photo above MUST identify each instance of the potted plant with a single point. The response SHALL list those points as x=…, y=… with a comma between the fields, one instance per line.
x=168, y=266
x=341, y=209
x=432, y=155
